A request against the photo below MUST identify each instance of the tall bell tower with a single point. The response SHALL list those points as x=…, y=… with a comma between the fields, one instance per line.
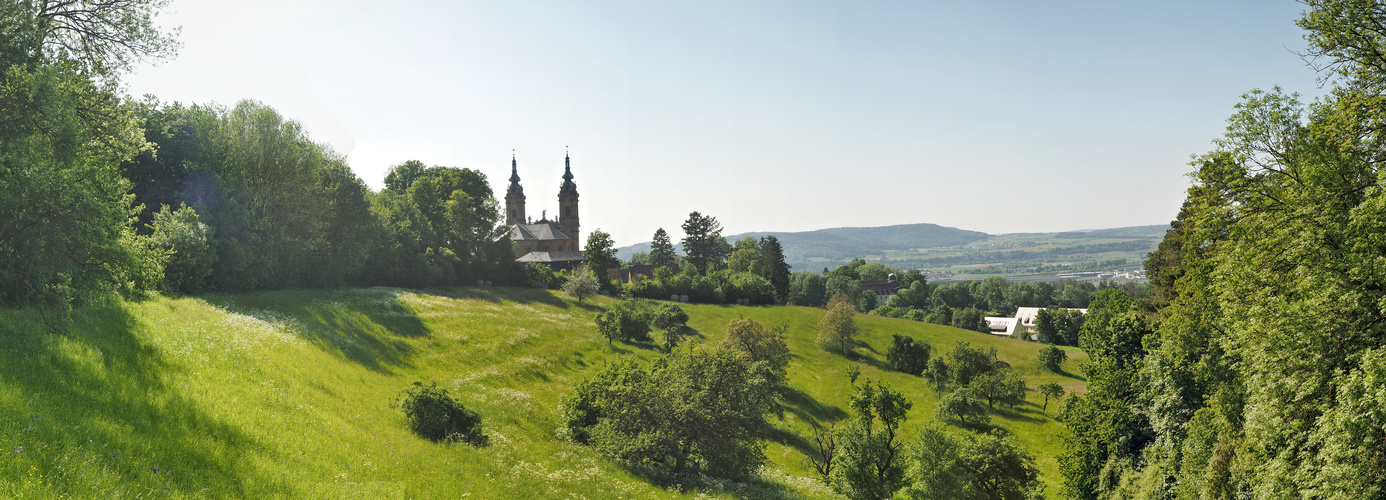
x=568, y=206
x=514, y=198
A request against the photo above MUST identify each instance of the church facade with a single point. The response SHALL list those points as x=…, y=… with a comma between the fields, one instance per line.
x=556, y=243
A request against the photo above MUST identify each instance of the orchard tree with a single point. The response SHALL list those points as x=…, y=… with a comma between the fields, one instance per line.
x=760, y=345
x=1053, y=358
x=1050, y=390
x=698, y=410
x=938, y=374
x=964, y=406
x=1001, y=468
x=580, y=284
x=838, y=328
x=869, y=460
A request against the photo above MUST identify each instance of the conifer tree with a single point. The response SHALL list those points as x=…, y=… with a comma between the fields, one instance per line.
x=772, y=266
x=661, y=249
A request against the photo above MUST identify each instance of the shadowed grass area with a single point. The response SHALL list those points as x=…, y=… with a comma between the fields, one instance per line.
x=285, y=394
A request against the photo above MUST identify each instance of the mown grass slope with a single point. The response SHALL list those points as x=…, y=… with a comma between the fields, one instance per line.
x=286, y=394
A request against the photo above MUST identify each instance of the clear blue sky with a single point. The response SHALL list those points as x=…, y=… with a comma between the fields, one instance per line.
x=784, y=116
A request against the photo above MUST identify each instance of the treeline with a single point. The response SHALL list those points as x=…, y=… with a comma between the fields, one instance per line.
x=282, y=211
x=713, y=271
x=105, y=194
x=962, y=304
x=1261, y=369
x=66, y=225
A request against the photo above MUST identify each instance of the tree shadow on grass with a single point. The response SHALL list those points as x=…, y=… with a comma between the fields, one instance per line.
x=367, y=328
x=99, y=410
x=1022, y=413
x=517, y=295
x=978, y=427
x=497, y=295
x=1071, y=375
x=807, y=408
x=870, y=360
x=791, y=439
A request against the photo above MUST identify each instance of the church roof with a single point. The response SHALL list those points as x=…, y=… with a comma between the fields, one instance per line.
x=550, y=257
x=541, y=231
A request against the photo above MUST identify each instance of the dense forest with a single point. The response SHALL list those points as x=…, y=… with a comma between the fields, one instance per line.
x=1263, y=372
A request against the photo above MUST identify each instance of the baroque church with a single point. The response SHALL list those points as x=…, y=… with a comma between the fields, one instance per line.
x=556, y=243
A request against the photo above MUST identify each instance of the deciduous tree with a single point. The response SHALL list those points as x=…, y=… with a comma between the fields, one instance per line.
x=703, y=242
x=838, y=328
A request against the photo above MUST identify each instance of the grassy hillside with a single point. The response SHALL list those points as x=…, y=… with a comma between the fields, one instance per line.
x=286, y=394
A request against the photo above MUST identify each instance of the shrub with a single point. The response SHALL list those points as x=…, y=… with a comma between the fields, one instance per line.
x=433, y=414
x=908, y=356
x=542, y=276
x=189, y=245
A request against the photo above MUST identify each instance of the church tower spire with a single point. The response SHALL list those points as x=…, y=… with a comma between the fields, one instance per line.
x=568, y=206
x=514, y=197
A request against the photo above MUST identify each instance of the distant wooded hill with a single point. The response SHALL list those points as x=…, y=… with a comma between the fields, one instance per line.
x=811, y=250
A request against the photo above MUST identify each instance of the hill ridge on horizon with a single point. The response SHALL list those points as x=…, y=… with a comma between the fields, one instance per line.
x=840, y=244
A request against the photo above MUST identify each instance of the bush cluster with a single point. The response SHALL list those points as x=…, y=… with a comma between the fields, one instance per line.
x=667, y=415
x=717, y=287
x=907, y=355
x=433, y=414
x=631, y=320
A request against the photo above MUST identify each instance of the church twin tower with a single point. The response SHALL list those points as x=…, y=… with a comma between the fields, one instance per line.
x=543, y=235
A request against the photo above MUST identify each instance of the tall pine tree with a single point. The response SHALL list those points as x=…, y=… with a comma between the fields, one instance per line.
x=772, y=267
x=661, y=250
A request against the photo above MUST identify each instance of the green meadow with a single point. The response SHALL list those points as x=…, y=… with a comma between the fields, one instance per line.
x=287, y=394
